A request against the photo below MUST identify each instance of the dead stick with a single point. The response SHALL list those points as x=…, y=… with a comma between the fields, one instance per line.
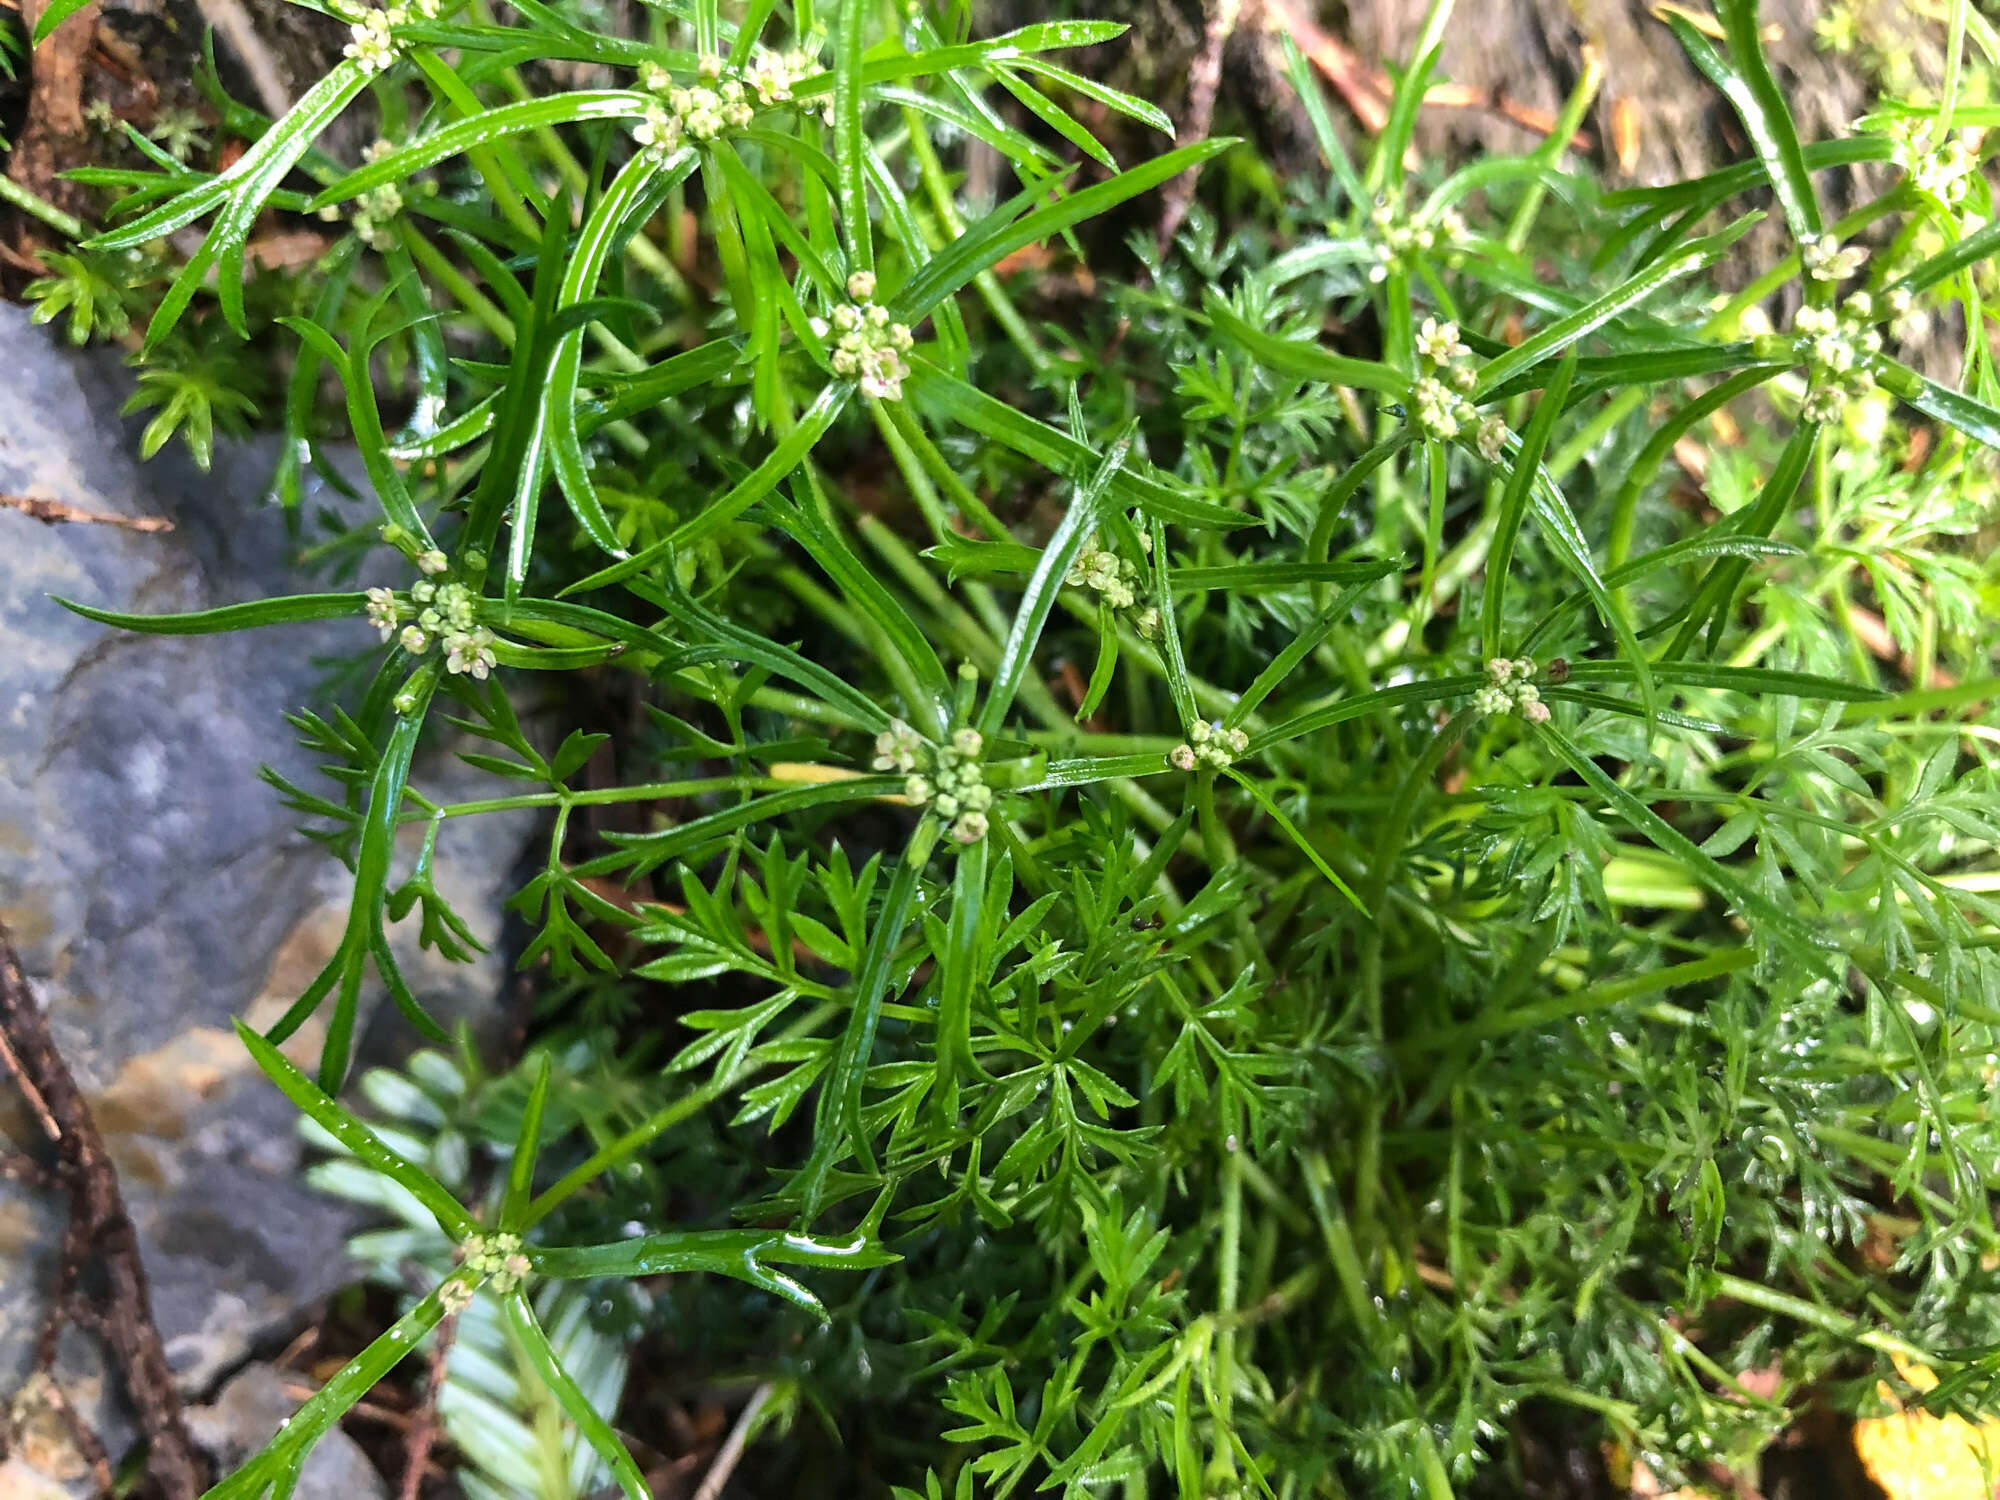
x=733, y=1446
x=1204, y=78
x=55, y=512
x=100, y=1227
x=423, y=1432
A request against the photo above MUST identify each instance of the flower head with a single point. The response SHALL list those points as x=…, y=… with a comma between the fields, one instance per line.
x=370, y=42
x=384, y=611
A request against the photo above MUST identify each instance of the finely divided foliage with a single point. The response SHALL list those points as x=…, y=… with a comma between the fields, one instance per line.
x=1283, y=935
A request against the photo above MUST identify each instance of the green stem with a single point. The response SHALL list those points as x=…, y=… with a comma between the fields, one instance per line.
x=64, y=224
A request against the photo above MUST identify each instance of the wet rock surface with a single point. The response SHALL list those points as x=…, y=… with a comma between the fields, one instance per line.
x=157, y=890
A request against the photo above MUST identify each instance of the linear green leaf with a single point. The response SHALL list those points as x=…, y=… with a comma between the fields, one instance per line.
x=480, y=130
x=988, y=242
x=355, y=1136
x=293, y=609
x=1307, y=361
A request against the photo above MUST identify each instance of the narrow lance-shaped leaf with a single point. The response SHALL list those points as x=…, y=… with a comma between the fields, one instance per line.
x=570, y=1397
x=986, y=243
x=555, y=439
x=1525, y=462
x=1695, y=256
x=1295, y=357
x=746, y=1254
x=1137, y=484
x=849, y=146
x=292, y=609
x=355, y=1136
x=1761, y=105
x=243, y=189
x=527, y=1147
x=754, y=486
x=838, y=1126
x=482, y=129
x=1076, y=530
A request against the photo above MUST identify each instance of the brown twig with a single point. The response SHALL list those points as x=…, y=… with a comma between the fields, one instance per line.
x=1204, y=78
x=99, y=1229
x=732, y=1448
x=56, y=512
x=423, y=1431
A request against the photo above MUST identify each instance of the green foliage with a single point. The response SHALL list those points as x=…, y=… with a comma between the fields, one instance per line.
x=1074, y=849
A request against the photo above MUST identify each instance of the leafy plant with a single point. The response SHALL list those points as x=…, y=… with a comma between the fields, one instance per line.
x=1305, y=926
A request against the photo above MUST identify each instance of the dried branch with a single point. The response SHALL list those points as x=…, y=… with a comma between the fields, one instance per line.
x=56, y=512
x=99, y=1229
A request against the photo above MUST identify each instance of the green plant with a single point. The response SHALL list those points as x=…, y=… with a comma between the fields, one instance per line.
x=1304, y=927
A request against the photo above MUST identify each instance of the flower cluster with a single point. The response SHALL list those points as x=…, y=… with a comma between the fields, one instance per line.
x=869, y=345
x=772, y=75
x=370, y=42
x=717, y=103
x=944, y=778
x=1839, y=349
x=1116, y=581
x=1437, y=401
x=1509, y=690
x=496, y=1259
x=1400, y=241
x=374, y=209
x=370, y=39
x=446, y=612
x=1825, y=260
x=1940, y=168
x=1208, y=745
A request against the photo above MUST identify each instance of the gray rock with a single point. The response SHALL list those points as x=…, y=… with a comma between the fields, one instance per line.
x=156, y=888
x=249, y=1410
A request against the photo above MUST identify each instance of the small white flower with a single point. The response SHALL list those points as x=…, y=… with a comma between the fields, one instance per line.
x=455, y=1296
x=415, y=641
x=1824, y=260
x=432, y=562
x=383, y=611
x=861, y=286
x=470, y=653
x=970, y=828
x=968, y=742
x=658, y=130
x=710, y=66
x=371, y=43
x=917, y=790
x=1491, y=439
x=1439, y=342
x=1181, y=757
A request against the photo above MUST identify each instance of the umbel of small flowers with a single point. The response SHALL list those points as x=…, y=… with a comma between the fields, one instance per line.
x=1940, y=163
x=1400, y=241
x=1838, y=349
x=1116, y=581
x=438, y=610
x=945, y=779
x=1437, y=401
x=717, y=104
x=868, y=345
x=1208, y=745
x=370, y=40
x=495, y=1259
x=376, y=208
x=1510, y=689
